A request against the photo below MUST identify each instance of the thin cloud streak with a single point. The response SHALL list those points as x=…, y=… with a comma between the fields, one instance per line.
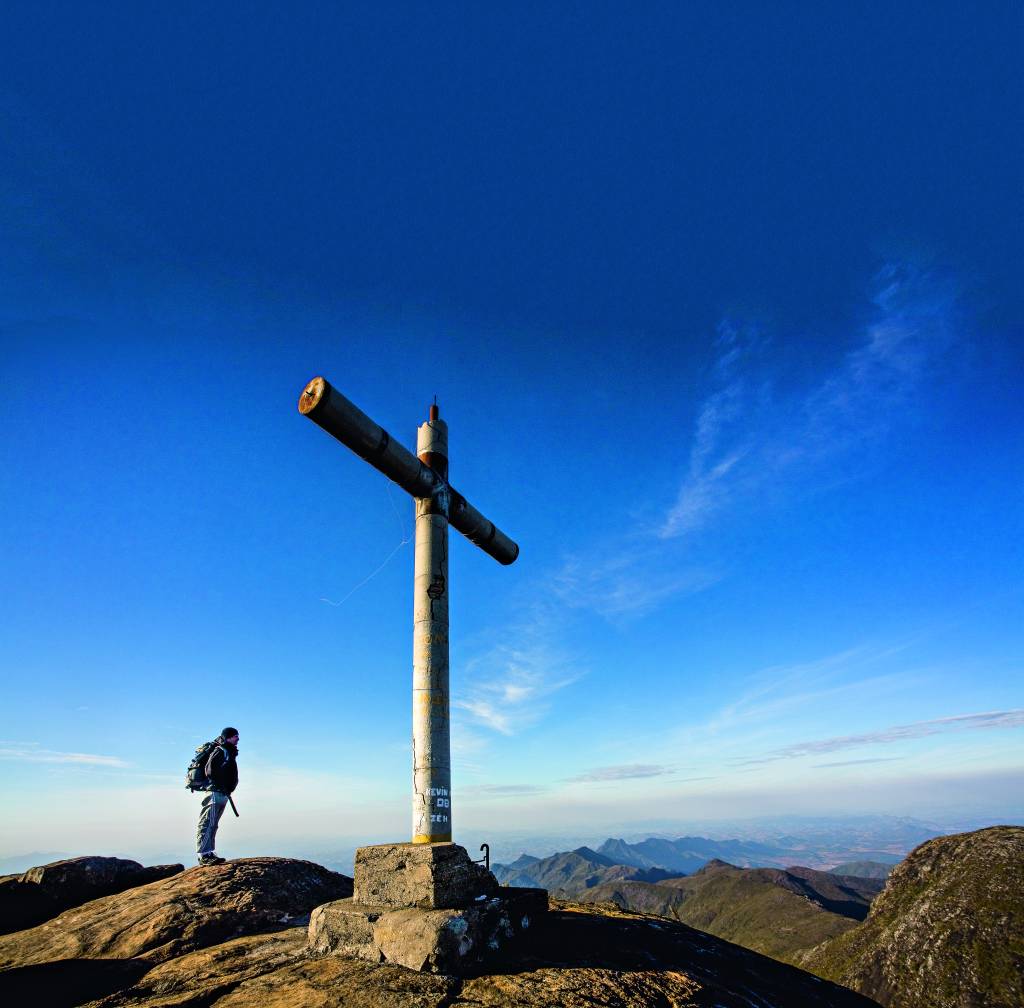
x=897, y=733
x=627, y=583
x=780, y=689
x=31, y=754
x=858, y=762
x=503, y=790
x=627, y=771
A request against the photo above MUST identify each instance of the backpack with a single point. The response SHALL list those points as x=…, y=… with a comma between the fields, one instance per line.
x=195, y=776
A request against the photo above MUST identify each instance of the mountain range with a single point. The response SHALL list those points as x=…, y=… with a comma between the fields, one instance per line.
x=573, y=872
x=774, y=911
x=777, y=912
x=874, y=840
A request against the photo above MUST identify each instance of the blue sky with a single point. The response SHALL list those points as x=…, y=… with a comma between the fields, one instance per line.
x=722, y=307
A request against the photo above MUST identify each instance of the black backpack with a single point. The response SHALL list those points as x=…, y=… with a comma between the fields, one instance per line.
x=195, y=776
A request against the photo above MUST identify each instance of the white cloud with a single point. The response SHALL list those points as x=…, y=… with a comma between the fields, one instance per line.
x=625, y=771
x=858, y=762
x=502, y=790
x=510, y=685
x=781, y=689
x=626, y=581
x=30, y=753
x=896, y=733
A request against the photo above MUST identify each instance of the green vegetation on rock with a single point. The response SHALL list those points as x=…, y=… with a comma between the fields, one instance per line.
x=756, y=908
x=864, y=869
x=947, y=932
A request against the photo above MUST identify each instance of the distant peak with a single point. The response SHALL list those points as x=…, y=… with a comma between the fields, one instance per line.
x=716, y=864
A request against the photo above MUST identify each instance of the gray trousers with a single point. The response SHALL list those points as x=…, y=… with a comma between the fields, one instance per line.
x=214, y=804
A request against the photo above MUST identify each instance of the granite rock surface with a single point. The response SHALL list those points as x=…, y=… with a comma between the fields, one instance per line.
x=47, y=890
x=191, y=910
x=234, y=935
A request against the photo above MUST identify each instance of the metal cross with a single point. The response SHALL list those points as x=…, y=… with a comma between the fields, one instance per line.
x=438, y=504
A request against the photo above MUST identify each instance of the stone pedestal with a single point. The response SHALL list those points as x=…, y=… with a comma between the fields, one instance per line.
x=424, y=906
x=433, y=876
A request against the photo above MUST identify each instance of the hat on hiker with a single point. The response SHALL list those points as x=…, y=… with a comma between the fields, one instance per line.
x=228, y=732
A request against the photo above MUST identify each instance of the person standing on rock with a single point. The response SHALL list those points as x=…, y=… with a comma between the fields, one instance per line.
x=222, y=772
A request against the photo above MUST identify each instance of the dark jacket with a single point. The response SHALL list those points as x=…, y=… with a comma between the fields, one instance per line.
x=222, y=767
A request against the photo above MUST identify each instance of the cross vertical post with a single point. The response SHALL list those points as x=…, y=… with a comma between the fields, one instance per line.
x=431, y=746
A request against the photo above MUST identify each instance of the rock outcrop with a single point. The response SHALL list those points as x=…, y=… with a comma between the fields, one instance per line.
x=580, y=957
x=43, y=892
x=191, y=910
x=947, y=932
x=187, y=942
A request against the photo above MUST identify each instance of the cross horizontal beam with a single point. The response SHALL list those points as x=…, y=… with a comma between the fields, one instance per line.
x=342, y=419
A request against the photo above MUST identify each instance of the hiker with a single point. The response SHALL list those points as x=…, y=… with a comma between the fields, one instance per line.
x=221, y=770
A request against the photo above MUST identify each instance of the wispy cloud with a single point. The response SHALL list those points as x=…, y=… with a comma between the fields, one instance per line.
x=627, y=581
x=897, y=733
x=510, y=686
x=755, y=438
x=625, y=771
x=30, y=753
x=783, y=689
x=858, y=762
x=722, y=436
x=502, y=790
x=748, y=436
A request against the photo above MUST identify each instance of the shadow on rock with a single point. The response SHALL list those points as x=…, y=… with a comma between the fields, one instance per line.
x=594, y=940
x=68, y=982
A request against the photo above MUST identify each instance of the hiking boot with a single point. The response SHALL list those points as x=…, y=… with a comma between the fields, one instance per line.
x=210, y=859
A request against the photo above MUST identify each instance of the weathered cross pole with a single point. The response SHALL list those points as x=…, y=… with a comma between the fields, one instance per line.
x=438, y=504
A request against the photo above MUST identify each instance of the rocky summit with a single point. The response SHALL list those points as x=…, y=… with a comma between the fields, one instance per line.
x=947, y=932
x=45, y=891
x=237, y=935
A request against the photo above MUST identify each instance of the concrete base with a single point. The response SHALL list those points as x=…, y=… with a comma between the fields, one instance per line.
x=423, y=906
x=432, y=876
x=449, y=940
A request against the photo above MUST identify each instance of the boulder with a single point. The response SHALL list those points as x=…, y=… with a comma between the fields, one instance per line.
x=47, y=890
x=194, y=909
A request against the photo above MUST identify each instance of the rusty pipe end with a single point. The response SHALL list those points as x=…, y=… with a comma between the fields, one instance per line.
x=312, y=394
x=435, y=413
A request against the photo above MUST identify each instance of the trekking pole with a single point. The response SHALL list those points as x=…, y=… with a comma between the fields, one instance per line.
x=231, y=802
